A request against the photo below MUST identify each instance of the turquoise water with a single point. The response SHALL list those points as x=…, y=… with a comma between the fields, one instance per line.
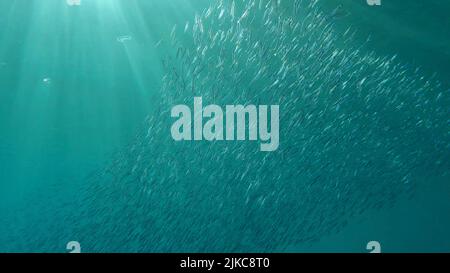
x=86, y=153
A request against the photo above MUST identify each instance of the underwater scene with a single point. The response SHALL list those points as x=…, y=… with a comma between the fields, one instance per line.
x=177, y=126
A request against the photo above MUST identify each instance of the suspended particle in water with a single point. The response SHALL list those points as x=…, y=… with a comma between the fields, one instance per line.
x=47, y=81
x=73, y=2
x=124, y=38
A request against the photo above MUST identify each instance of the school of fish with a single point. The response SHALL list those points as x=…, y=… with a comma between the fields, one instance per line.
x=358, y=130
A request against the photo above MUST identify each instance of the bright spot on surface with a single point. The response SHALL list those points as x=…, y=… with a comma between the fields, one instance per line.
x=73, y=2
